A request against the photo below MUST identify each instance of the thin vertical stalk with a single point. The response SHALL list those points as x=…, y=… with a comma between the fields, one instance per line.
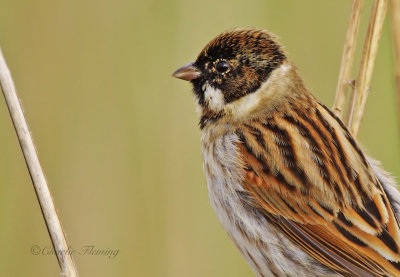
x=347, y=57
x=366, y=68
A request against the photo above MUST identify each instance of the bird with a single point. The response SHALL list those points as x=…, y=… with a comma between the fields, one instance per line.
x=289, y=183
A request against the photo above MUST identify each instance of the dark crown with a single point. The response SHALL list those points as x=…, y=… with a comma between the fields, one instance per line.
x=252, y=55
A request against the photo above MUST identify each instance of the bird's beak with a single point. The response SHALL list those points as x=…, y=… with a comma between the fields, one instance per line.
x=187, y=72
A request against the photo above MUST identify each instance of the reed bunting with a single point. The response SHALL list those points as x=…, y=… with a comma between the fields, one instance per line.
x=289, y=183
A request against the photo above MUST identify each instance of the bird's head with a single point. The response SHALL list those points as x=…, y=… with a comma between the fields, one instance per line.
x=230, y=69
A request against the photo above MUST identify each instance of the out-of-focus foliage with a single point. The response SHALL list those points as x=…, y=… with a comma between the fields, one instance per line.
x=118, y=137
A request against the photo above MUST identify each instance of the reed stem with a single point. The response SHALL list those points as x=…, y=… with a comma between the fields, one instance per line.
x=46, y=203
x=347, y=58
x=366, y=68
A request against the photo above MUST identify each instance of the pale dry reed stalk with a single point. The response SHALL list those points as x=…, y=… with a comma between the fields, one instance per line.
x=370, y=48
x=347, y=58
x=35, y=170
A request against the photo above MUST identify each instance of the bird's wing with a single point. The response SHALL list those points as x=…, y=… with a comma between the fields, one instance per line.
x=389, y=185
x=307, y=175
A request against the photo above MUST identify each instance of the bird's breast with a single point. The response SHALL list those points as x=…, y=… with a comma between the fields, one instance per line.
x=262, y=245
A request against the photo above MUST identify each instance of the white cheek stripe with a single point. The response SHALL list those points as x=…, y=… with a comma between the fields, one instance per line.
x=214, y=98
x=268, y=90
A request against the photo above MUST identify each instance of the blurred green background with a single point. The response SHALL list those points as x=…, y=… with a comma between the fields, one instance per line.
x=118, y=137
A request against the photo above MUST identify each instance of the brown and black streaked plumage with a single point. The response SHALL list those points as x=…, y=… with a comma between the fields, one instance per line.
x=287, y=180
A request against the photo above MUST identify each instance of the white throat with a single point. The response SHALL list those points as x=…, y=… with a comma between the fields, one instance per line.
x=214, y=98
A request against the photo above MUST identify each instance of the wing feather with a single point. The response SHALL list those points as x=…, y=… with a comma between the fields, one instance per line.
x=347, y=222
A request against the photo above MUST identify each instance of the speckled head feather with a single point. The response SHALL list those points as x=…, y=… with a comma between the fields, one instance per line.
x=237, y=63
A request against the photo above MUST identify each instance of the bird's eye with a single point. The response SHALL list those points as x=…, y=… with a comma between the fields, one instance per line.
x=222, y=66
